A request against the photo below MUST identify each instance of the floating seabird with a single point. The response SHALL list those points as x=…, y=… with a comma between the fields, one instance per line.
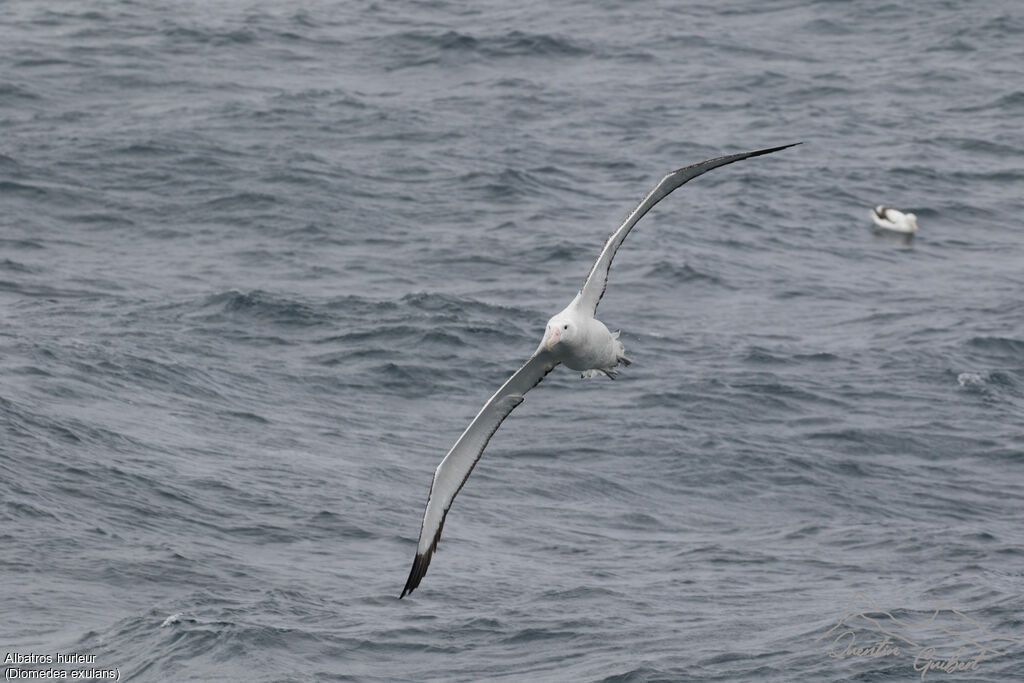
x=573, y=337
x=888, y=218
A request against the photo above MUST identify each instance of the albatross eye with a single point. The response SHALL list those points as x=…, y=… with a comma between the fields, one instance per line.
x=565, y=327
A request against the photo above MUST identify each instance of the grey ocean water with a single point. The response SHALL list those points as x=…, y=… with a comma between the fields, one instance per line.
x=261, y=263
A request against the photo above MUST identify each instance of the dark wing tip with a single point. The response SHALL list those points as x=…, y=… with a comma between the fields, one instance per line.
x=687, y=173
x=419, y=570
x=775, y=149
x=759, y=152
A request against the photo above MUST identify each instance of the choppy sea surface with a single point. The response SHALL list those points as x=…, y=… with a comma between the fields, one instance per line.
x=262, y=262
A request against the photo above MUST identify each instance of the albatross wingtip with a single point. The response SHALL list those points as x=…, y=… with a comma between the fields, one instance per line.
x=419, y=570
x=776, y=149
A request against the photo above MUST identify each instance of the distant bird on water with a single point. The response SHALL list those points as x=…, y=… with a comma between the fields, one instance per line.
x=573, y=337
x=888, y=218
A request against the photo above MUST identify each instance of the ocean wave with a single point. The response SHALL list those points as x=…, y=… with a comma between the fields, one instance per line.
x=999, y=345
x=12, y=91
x=258, y=305
x=408, y=49
x=667, y=271
x=12, y=187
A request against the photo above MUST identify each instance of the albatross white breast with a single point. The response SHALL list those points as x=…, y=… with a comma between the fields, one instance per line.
x=574, y=338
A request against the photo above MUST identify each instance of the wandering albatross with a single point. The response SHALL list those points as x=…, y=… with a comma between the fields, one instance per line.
x=573, y=337
x=889, y=218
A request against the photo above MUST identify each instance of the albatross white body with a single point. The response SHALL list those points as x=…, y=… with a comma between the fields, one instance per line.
x=889, y=218
x=573, y=337
x=583, y=342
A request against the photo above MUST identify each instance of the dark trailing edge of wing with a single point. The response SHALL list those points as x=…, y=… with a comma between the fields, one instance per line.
x=665, y=187
x=422, y=560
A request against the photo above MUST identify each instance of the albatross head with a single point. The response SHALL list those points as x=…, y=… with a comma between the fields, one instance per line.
x=911, y=222
x=560, y=330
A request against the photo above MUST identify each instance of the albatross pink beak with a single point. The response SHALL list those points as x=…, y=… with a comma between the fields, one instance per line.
x=554, y=334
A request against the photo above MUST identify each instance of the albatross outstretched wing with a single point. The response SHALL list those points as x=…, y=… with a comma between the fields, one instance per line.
x=453, y=471
x=597, y=279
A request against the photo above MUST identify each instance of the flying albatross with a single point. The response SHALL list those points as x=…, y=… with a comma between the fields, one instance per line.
x=573, y=337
